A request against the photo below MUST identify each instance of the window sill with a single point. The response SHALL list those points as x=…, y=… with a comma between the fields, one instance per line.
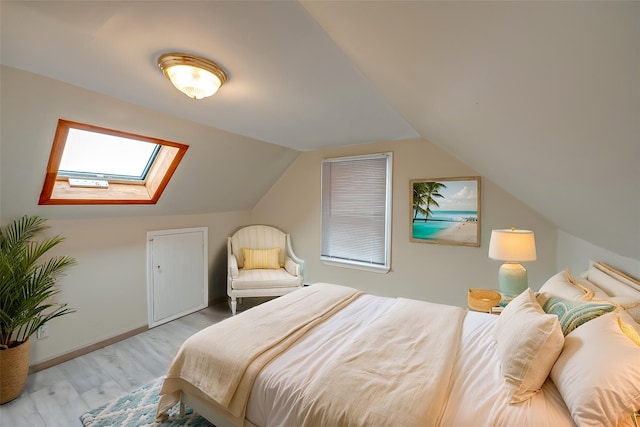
x=383, y=269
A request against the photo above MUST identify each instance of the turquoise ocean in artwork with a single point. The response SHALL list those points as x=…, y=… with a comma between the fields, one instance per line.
x=440, y=220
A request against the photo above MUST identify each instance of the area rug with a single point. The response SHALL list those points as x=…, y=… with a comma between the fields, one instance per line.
x=138, y=409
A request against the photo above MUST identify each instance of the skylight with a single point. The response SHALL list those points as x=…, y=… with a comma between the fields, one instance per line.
x=97, y=155
x=93, y=165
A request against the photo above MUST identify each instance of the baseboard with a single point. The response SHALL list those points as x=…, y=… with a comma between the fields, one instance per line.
x=82, y=351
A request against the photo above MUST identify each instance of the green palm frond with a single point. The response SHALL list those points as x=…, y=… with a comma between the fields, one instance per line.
x=27, y=284
x=424, y=196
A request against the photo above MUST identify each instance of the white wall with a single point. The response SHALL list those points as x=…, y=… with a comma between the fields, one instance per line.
x=439, y=273
x=575, y=253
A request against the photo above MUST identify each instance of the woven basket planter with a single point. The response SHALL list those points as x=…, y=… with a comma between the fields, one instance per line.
x=14, y=368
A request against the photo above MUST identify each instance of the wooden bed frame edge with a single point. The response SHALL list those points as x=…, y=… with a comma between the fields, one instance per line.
x=213, y=416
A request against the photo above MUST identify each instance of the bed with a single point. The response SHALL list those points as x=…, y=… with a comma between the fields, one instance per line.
x=332, y=355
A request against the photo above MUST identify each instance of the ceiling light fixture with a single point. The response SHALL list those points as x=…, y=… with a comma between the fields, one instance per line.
x=194, y=76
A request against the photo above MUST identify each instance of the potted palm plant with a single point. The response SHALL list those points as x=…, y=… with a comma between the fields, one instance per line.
x=27, y=285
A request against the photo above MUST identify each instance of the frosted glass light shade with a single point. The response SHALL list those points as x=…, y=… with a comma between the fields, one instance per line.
x=195, y=77
x=193, y=82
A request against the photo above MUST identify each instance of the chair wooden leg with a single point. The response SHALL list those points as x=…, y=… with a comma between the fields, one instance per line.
x=234, y=305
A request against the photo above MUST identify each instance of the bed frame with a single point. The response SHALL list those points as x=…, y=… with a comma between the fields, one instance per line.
x=207, y=411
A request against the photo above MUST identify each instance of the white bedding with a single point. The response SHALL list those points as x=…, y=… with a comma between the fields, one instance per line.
x=485, y=357
x=250, y=340
x=477, y=396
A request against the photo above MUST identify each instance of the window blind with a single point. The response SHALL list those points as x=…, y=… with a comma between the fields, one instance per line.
x=356, y=195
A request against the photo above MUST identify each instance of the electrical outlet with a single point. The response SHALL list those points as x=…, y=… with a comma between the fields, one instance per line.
x=43, y=332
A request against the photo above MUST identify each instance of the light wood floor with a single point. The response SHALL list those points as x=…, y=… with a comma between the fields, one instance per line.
x=57, y=396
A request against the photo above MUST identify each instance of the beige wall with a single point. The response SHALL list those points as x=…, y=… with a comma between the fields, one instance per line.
x=221, y=171
x=575, y=253
x=439, y=273
x=108, y=286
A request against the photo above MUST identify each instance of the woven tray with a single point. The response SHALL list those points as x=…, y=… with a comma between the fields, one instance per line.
x=483, y=299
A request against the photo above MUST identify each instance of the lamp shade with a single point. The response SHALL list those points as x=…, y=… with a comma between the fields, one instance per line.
x=512, y=245
x=194, y=76
x=193, y=82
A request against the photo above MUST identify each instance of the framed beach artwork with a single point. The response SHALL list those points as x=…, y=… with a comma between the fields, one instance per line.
x=446, y=211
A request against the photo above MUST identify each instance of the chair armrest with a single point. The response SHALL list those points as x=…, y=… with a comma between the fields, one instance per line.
x=290, y=252
x=233, y=266
x=291, y=267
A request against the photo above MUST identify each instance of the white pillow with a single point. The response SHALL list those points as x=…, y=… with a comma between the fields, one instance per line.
x=565, y=286
x=612, y=286
x=617, y=274
x=630, y=329
x=528, y=342
x=631, y=304
x=598, y=372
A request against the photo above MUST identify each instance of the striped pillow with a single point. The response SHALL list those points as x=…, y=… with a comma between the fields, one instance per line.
x=574, y=313
x=261, y=258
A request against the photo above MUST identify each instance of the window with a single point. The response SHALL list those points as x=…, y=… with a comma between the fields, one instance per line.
x=356, y=211
x=90, y=154
x=93, y=165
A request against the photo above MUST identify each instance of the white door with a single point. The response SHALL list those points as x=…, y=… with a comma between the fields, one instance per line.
x=177, y=273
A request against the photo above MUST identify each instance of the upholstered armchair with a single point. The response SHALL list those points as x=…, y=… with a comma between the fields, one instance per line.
x=261, y=263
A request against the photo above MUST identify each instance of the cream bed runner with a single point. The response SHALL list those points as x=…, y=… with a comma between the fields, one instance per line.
x=396, y=373
x=223, y=360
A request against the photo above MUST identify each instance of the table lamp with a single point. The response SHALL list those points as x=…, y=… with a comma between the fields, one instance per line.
x=512, y=246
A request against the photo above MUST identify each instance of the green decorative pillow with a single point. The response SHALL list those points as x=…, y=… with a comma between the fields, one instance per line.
x=574, y=313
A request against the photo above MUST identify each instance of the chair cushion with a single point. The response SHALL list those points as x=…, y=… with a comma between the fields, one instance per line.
x=264, y=278
x=261, y=258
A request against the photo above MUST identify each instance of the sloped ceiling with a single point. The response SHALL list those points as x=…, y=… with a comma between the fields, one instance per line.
x=542, y=98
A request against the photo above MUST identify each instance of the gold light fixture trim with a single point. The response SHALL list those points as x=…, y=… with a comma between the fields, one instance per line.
x=194, y=76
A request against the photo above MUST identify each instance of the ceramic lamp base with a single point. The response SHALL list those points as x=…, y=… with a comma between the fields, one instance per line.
x=512, y=279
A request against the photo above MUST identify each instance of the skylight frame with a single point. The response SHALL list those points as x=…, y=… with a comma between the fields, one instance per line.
x=56, y=189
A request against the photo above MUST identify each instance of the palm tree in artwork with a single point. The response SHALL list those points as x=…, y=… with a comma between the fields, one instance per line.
x=424, y=196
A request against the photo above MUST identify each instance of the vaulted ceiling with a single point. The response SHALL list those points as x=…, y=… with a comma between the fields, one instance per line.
x=542, y=98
